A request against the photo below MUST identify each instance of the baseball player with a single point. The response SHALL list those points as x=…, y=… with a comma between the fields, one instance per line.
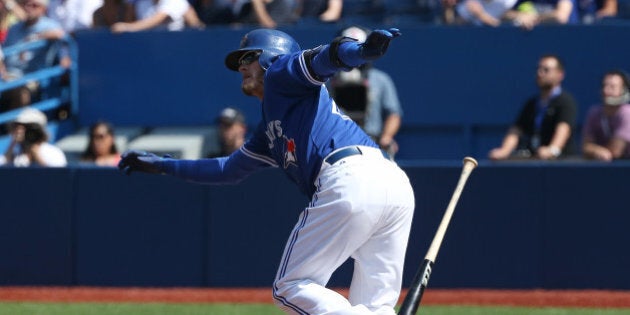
x=361, y=203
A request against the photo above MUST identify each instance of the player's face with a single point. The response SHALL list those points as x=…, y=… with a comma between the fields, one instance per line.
x=253, y=75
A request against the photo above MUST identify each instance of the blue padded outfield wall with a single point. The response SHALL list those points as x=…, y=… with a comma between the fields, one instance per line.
x=536, y=225
x=460, y=87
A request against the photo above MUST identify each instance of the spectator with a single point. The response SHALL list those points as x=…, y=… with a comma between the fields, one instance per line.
x=73, y=15
x=411, y=11
x=3, y=70
x=448, y=11
x=10, y=13
x=545, y=126
x=232, y=131
x=268, y=14
x=483, y=12
x=172, y=15
x=36, y=26
x=101, y=149
x=29, y=143
x=113, y=11
x=368, y=96
x=527, y=14
x=363, y=12
x=219, y=12
x=606, y=134
x=591, y=11
x=325, y=11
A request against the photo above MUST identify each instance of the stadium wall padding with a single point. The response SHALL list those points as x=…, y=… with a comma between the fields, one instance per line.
x=518, y=225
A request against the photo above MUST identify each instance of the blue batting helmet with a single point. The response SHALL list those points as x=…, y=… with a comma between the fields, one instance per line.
x=270, y=44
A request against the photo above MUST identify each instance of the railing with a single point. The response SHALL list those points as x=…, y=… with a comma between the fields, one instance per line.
x=68, y=95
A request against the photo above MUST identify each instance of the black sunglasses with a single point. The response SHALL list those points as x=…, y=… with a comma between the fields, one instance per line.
x=248, y=58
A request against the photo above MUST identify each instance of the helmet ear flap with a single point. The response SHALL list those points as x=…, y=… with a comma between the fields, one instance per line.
x=266, y=59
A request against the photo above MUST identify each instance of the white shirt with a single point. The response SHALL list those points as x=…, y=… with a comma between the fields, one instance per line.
x=175, y=9
x=495, y=8
x=73, y=14
x=52, y=155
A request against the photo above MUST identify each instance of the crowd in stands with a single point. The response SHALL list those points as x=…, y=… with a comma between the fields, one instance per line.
x=138, y=15
x=533, y=134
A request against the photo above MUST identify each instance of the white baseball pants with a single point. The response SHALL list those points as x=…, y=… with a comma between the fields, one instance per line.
x=363, y=208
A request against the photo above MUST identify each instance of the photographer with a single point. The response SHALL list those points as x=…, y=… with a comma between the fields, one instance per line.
x=29, y=143
x=369, y=97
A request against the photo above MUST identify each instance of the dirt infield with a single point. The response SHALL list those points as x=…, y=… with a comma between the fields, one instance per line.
x=538, y=298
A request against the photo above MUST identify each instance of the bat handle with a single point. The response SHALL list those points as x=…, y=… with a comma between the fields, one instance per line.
x=414, y=295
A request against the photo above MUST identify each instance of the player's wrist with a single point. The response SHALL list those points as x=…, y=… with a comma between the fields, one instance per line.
x=349, y=54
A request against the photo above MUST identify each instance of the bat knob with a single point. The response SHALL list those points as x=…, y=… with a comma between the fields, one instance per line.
x=470, y=160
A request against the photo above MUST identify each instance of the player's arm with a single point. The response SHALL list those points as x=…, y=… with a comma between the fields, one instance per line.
x=223, y=170
x=345, y=53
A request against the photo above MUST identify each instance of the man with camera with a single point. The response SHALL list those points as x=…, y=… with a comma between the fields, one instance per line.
x=369, y=97
x=29, y=143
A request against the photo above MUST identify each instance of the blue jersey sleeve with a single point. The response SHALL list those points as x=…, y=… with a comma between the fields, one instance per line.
x=224, y=170
x=319, y=61
x=251, y=157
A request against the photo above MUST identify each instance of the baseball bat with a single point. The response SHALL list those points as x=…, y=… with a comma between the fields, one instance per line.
x=421, y=280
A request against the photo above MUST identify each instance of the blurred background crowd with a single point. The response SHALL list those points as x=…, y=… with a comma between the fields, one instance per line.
x=137, y=15
x=36, y=74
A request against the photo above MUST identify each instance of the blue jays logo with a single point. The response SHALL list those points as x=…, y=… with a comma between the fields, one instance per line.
x=289, y=152
x=286, y=146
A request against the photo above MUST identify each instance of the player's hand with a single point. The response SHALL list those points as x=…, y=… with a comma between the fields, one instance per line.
x=140, y=161
x=377, y=42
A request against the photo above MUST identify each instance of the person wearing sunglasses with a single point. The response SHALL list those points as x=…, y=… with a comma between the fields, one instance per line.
x=101, y=149
x=361, y=203
x=545, y=127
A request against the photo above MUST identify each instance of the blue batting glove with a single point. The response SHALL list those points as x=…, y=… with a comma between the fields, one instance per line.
x=140, y=161
x=377, y=42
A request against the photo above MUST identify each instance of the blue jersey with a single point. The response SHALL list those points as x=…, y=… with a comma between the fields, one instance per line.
x=301, y=125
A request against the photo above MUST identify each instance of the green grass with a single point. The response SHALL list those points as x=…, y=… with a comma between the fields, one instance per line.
x=260, y=309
